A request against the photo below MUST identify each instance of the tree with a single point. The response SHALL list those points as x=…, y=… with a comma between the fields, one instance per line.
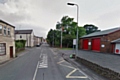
x=50, y=36
x=68, y=40
x=90, y=28
x=53, y=37
x=81, y=31
x=69, y=28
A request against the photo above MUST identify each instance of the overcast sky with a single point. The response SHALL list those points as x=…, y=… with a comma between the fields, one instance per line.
x=42, y=15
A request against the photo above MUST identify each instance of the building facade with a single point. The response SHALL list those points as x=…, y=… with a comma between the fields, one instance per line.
x=7, y=43
x=100, y=41
x=116, y=46
x=27, y=35
x=37, y=41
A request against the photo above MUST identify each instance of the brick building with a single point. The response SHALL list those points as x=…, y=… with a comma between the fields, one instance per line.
x=100, y=41
x=116, y=46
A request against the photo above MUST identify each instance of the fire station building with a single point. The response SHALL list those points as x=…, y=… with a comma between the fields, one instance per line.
x=107, y=41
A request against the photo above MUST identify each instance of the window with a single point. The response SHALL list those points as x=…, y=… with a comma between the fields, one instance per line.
x=4, y=30
x=8, y=31
x=20, y=36
x=2, y=48
x=0, y=29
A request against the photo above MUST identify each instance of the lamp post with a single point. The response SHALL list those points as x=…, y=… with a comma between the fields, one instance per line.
x=61, y=36
x=53, y=38
x=72, y=4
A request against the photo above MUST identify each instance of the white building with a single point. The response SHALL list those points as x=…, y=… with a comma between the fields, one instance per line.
x=27, y=35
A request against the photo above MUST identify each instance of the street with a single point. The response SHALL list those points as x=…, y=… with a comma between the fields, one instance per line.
x=41, y=63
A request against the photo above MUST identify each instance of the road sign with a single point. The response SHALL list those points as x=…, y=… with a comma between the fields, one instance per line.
x=74, y=41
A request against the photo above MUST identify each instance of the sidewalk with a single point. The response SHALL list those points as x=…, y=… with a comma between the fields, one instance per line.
x=103, y=59
x=18, y=55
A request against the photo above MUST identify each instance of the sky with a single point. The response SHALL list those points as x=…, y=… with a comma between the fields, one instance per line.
x=42, y=15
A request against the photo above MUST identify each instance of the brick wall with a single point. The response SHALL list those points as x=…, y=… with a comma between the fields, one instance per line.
x=105, y=40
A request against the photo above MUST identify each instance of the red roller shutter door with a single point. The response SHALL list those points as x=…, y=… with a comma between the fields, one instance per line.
x=96, y=44
x=85, y=44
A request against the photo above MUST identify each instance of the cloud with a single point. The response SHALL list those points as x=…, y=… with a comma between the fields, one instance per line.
x=42, y=15
x=13, y=11
x=109, y=19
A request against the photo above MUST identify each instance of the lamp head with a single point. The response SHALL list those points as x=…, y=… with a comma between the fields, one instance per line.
x=72, y=4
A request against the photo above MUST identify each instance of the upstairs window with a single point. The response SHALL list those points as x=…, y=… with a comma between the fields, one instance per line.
x=20, y=36
x=4, y=30
x=0, y=29
x=8, y=31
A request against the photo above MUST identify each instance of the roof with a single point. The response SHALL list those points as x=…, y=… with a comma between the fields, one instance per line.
x=23, y=31
x=7, y=23
x=37, y=37
x=116, y=41
x=104, y=32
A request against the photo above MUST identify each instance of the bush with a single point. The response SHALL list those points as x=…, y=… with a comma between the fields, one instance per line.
x=20, y=43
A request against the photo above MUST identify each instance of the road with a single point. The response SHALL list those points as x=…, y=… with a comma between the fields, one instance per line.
x=41, y=63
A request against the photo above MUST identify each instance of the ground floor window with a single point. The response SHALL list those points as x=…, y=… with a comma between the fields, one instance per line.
x=2, y=48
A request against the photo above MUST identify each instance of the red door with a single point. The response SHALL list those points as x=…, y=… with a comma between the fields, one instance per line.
x=96, y=44
x=113, y=48
x=85, y=44
x=11, y=51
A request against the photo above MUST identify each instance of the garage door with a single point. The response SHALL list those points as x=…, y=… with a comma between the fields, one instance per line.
x=85, y=44
x=96, y=44
x=117, y=48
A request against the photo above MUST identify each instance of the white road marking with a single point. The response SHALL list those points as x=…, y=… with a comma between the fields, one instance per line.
x=44, y=62
x=53, y=52
x=35, y=71
x=40, y=55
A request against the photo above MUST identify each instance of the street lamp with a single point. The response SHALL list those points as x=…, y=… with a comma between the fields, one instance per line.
x=61, y=36
x=72, y=4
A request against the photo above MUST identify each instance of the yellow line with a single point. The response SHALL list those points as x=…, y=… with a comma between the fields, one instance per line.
x=67, y=66
x=68, y=76
x=60, y=62
x=70, y=73
x=74, y=70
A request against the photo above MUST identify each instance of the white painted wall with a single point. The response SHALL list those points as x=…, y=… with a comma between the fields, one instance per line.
x=32, y=39
x=117, y=46
x=28, y=37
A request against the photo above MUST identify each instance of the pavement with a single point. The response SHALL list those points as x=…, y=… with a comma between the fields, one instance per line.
x=105, y=60
x=44, y=63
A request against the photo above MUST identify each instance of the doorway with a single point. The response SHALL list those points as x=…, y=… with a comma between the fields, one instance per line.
x=11, y=51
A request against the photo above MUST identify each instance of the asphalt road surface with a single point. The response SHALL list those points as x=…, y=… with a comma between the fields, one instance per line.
x=41, y=63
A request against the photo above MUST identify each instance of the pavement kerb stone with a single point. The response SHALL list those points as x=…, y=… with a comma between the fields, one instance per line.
x=110, y=74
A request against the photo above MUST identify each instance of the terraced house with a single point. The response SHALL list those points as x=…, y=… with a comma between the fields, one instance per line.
x=27, y=35
x=37, y=41
x=7, y=44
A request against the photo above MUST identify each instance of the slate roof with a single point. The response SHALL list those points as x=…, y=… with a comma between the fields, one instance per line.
x=116, y=41
x=7, y=23
x=104, y=32
x=23, y=31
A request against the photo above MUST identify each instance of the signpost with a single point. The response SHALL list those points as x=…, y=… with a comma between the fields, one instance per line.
x=74, y=44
